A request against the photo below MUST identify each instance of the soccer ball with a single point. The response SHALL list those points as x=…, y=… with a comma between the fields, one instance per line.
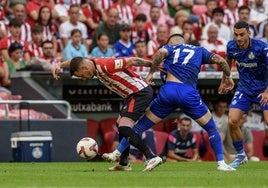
x=87, y=148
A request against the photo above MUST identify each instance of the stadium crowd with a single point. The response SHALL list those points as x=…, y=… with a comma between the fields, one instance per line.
x=39, y=34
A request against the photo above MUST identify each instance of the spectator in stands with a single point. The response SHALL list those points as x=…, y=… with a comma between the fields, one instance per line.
x=144, y=7
x=110, y=27
x=180, y=17
x=231, y=12
x=254, y=121
x=259, y=12
x=94, y=14
x=35, y=49
x=125, y=11
x=161, y=39
x=73, y=23
x=229, y=150
x=153, y=23
x=217, y=18
x=265, y=37
x=219, y=113
x=102, y=49
x=124, y=46
x=141, y=51
x=180, y=141
x=188, y=31
x=214, y=44
x=244, y=15
x=33, y=7
x=50, y=29
x=206, y=17
x=15, y=62
x=14, y=27
x=75, y=48
x=48, y=60
x=19, y=12
x=4, y=79
x=62, y=9
x=139, y=31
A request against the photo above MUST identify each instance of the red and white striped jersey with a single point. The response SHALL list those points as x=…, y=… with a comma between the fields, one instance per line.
x=112, y=72
x=25, y=32
x=105, y=4
x=230, y=18
x=126, y=13
x=35, y=50
x=6, y=42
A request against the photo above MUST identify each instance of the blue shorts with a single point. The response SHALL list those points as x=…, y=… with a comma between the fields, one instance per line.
x=173, y=95
x=244, y=101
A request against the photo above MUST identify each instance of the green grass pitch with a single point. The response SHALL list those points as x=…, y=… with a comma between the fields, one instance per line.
x=95, y=174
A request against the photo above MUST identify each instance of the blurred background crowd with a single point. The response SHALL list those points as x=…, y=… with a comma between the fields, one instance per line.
x=37, y=34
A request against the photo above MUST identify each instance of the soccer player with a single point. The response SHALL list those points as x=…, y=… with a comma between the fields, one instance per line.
x=182, y=63
x=251, y=60
x=117, y=75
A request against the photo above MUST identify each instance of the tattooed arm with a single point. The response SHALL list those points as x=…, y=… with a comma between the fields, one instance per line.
x=136, y=61
x=216, y=59
x=227, y=83
x=158, y=57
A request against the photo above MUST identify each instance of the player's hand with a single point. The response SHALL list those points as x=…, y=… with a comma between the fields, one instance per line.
x=264, y=98
x=149, y=79
x=55, y=71
x=227, y=84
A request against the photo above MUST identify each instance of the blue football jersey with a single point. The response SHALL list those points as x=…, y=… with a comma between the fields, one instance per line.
x=184, y=61
x=251, y=64
x=123, y=50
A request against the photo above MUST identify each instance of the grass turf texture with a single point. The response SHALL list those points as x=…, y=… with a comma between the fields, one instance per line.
x=95, y=174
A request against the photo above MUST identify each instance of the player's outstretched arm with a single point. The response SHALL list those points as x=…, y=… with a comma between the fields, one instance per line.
x=158, y=57
x=56, y=69
x=136, y=61
x=227, y=83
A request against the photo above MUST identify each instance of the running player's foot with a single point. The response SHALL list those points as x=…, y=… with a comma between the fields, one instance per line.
x=152, y=163
x=225, y=167
x=119, y=167
x=111, y=156
x=239, y=159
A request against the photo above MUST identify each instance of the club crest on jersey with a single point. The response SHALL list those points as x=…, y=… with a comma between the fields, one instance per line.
x=251, y=55
x=118, y=63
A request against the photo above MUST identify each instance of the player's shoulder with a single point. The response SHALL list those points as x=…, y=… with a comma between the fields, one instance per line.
x=258, y=43
x=231, y=43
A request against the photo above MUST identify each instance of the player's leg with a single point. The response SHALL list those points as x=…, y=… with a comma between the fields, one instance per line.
x=265, y=115
x=194, y=107
x=239, y=106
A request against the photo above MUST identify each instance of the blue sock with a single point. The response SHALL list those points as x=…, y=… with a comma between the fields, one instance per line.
x=214, y=139
x=239, y=147
x=143, y=124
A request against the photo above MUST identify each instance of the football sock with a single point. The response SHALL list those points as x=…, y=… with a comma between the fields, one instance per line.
x=143, y=124
x=135, y=140
x=124, y=156
x=214, y=139
x=238, y=145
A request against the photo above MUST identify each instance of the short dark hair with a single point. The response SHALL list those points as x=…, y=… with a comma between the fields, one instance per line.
x=37, y=29
x=14, y=46
x=241, y=24
x=74, y=31
x=174, y=35
x=217, y=10
x=46, y=42
x=185, y=119
x=15, y=22
x=139, y=41
x=141, y=17
x=243, y=7
x=75, y=64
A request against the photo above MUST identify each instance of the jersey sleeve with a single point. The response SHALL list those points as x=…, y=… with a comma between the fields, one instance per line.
x=206, y=56
x=114, y=64
x=266, y=61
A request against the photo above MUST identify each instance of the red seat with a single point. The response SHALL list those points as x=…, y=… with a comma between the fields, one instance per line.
x=170, y=125
x=108, y=140
x=92, y=128
x=160, y=141
x=106, y=125
x=258, y=142
x=159, y=126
